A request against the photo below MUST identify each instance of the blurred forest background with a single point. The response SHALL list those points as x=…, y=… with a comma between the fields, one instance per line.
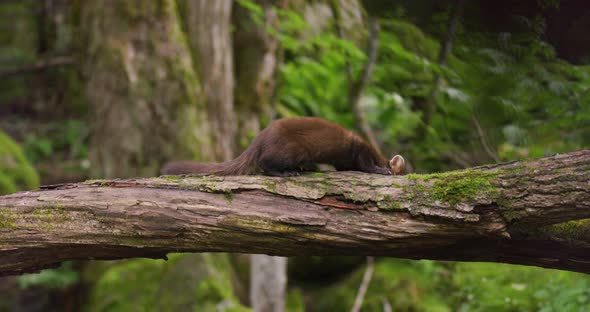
x=116, y=88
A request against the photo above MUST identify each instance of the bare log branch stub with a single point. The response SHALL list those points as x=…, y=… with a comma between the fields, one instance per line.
x=38, y=66
x=534, y=212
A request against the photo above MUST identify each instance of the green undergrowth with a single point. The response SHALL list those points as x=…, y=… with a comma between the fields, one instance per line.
x=186, y=282
x=571, y=230
x=405, y=285
x=425, y=285
x=503, y=287
x=64, y=276
x=16, y=173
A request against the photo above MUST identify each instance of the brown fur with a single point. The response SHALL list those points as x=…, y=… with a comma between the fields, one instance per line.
x=289, y=145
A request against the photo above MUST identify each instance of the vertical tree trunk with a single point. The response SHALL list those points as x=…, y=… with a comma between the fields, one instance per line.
x=268, y=283
x=145, y=96
x=256, y=61
x=209, y=35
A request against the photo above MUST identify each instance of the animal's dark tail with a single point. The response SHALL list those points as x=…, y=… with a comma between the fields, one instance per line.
x=244, y=164
x=241, y=165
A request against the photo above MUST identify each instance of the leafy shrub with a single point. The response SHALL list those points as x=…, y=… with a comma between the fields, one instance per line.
x=16, y=173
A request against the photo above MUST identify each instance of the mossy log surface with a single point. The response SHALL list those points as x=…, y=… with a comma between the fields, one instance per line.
x=534, y=212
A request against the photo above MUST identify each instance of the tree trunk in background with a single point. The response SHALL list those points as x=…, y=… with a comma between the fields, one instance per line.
x=256, y=54
x=268, y=283
x=427, y=105
x=145, y=96
x=209, y=35
x=348, y=19
x=256, y=62
x=348, y=15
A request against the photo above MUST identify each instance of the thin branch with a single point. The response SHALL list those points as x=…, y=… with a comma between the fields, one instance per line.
x=357, y=88
x=38, y=66
x=452, y=24
x=457, y=159
x=483, y=140
x=360, y=295
x=386, y=305
x=334, y=7
x=428, y=104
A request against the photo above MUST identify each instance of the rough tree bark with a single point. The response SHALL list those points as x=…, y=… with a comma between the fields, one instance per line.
x=268, y=283
x=147, y=105
x=527, y=212
x=209, y=34
x=257, y=56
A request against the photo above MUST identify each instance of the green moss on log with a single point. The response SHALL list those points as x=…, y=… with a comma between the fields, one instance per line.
x=7, y=219
x=455, y=186
x=228, y=197
x=571, y=230
x=48, y=217
x=98, y=182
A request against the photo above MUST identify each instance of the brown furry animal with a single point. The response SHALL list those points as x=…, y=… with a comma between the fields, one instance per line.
x=288, y=146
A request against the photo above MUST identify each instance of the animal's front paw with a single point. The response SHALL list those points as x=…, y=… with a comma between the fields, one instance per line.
x=381, y=170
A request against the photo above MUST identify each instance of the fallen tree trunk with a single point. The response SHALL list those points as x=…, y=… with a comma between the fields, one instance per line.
x=526, y=212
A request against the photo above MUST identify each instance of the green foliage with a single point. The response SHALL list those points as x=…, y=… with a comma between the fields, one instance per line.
x=405, y=285
x=18, y=43
x=314, y=76
x=295, y=301
x=314, y=79
x=314, y=82
x=67, y=139
x=526, y=102
x=518, y=92
x=310, y=84
x=437, y=286
x=195, y=282
x=497, y=287
x=527, y=99
x=62, y=277
x=16, y=173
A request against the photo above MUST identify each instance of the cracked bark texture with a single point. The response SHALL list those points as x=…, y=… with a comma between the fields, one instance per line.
x=257, y=56
x=256, y=61
x=533, y=212
x=146, y=103
x=209, y=35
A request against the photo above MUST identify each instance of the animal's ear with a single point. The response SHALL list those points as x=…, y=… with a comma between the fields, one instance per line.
x=397, y=165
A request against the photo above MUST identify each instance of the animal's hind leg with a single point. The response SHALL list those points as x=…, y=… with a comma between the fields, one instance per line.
x=279, y=165
x=282, y=173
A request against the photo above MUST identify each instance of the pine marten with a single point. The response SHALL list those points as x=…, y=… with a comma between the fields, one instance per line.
x=290, y=145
